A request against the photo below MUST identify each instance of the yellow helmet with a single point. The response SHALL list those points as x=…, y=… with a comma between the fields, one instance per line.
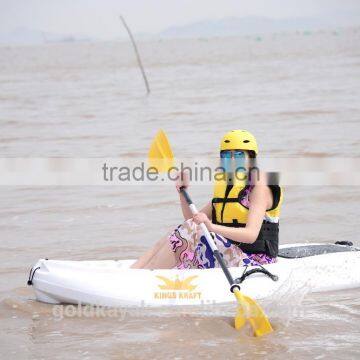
x=239, y=140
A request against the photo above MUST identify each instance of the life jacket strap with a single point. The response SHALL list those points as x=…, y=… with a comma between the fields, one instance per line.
x=222, y=200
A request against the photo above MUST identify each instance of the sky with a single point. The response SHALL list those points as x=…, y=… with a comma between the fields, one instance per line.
x=99, y=18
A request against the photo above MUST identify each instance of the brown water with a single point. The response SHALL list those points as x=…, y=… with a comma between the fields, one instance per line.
x=298, y=93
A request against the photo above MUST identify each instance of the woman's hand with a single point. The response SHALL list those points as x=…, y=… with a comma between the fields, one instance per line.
x=202, y=218
x=182, y=180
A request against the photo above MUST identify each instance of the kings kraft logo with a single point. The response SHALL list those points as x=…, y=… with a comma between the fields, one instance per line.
x=176, y=288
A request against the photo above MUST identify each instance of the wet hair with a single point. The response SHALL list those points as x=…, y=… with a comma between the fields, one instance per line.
x=252, y=164
x=252, y=156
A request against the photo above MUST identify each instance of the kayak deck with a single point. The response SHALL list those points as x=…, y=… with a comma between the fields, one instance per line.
x=300, y=251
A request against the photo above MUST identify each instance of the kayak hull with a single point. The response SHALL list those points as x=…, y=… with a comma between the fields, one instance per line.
x=113, y=283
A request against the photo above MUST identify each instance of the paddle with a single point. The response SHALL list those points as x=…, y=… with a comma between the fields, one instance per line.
x=162, y=158
x=160, y=154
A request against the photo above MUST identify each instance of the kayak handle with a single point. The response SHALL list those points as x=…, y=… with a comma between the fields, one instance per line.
x=261, y=270
x=31, y=275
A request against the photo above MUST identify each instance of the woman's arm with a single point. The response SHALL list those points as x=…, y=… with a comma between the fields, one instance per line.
x=207, y=210
x=260, y=200
x=183, y=180
x=186, y=210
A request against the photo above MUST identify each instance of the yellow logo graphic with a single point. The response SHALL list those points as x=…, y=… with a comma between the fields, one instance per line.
x=177, y=284
x=177, y=289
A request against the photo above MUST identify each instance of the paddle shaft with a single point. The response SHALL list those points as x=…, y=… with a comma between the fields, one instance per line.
x=209, y=238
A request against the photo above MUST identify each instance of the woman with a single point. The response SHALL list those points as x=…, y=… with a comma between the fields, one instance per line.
x=243, y=216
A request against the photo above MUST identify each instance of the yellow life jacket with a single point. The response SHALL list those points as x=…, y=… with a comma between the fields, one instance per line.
x=230, y=207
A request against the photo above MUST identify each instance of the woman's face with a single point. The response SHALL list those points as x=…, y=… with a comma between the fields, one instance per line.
x=234, y=160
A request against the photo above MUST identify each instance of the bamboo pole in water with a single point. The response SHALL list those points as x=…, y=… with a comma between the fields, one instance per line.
x=137, y=54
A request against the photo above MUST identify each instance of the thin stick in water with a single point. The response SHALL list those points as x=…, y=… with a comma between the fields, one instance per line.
x=137, y=54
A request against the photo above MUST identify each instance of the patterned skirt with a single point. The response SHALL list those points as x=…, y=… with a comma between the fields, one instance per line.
x=193, y=252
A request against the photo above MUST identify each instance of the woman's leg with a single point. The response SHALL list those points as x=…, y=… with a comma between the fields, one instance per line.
x=164, y=258
x=168, y=252
x=144, y=259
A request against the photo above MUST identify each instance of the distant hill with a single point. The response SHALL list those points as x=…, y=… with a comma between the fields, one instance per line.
x=242, y=26
x=26, y=36
x=231, y=26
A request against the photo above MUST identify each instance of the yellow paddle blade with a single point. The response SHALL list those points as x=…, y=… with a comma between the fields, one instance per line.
x=251, y=311
x=160, y=154
x=240, y=318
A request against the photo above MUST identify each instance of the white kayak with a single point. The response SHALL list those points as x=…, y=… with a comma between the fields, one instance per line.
x=318, y=267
